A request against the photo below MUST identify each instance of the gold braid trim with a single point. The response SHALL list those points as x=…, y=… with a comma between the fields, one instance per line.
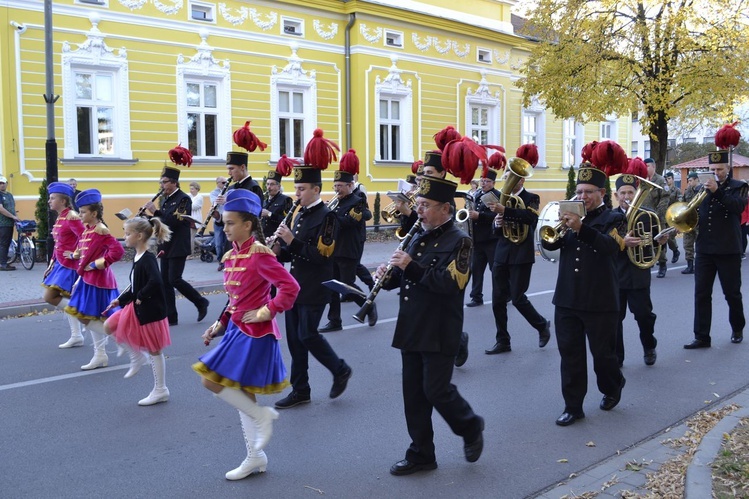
x=615, y=234
x=206, y=372
x=258, y=247
x=353, y=214
x=72, y=216
x=101, y=229
x=460, y=277
x=226, y=256
x=325, y=249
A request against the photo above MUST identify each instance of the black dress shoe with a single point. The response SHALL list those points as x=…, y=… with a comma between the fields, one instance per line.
x=498, y=348
x=462, y=356
x=608, y=402
x=567, y=418
x=737, y=336
x=203, y=309
x=545, y=335
x=293, y=399
x=406, y=467
x=675, y=259
x=372, y=315
x=330, y=327
x=650, y=356
x=475, y=303
x=340, y=382
x=697, y=344
x=473, y=449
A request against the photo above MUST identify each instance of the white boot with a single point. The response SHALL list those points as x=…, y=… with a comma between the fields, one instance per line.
x=256, y=460
x=160, y=392
x=76, y=337
x=263, y=416
x=137, y=359
x=100, y=358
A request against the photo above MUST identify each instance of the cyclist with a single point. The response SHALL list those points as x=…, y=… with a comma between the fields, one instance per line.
x=7, y=220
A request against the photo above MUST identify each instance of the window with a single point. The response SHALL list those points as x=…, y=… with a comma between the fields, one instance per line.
x=533, y=120
x=390, y=130
x=530, y=128
x=647, y=149
x=393, y=38
x=94, y=113
x=291, y=135
x=202, y=118
x=572, y=137
x=708, y=140
x=484, y=55
x=100, y=3
x=605, y=131
x=291, y=26
x=635, y=148
x=202, y=11
x=479, y=129
x=689, y=140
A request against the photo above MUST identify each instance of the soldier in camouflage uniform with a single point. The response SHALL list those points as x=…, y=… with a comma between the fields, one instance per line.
x=657, y=200
x=673, y=197
x=693, y=187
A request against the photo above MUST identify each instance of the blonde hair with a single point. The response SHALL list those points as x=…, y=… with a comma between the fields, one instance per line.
x=150, y=227
x=196, y=185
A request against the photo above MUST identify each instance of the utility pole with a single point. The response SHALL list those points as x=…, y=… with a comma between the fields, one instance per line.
x=50, y=98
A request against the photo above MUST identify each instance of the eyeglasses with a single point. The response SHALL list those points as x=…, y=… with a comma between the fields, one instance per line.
x=162, y=182
x=425, y=206
x=587, y=192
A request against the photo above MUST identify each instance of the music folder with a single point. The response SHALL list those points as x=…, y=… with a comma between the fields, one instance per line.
x=343, y=289
x=123, y=214
x=576, y=207
x=489, y=198
x=194, y=222
x=398, y=196
x=667, y=230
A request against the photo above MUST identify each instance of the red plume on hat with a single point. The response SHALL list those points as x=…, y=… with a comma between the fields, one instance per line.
x=320, y=152
x=637, y=167
x=528, y=152
x=285, y=165
x=461, y=158
x=609, y=157
x=727, y=136
x=497, y=160
x=350, y=163
x=245, y=139
x=445, y=136
x=180, y=156
x=587, y=151
x=415, y=166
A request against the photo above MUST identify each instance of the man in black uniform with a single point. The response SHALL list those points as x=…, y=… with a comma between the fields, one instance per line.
x=236, y=167
x=511, y=274
x=309, y=247
x=352, y=213
x=484, y=239
x=587, y=297
x=276, y=206
x=174, y=205
x=432, y=275
x=719, y=249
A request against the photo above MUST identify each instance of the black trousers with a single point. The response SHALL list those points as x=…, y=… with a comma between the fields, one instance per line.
x=364, y=275
x=302, y=322
x=6, y=236
x=427, y=385
x=642, y=308
x=344, y=270
x=512, y=281
x=483, y=255
x=572, y=327
x=728, y=269
x=171, y=274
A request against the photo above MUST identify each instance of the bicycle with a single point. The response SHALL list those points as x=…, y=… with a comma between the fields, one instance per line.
x=26, y=242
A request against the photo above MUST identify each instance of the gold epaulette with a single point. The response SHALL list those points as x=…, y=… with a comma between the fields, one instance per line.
x=226, y=256
x=353, y=214
x=258, y=247
x=101, y=229
x=325, y=250
x=460, y=268
x=72, y=215
x=620, y=241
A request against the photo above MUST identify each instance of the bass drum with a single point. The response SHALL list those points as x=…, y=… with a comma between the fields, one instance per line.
x=549, y=216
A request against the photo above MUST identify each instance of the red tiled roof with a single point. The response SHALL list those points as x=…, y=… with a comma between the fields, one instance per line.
x=738, y=162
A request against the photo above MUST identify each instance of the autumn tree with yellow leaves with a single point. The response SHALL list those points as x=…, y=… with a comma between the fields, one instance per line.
x=664, y=60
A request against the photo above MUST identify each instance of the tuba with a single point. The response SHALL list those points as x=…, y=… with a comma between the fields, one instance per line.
x=518, y=168
x=645, y=225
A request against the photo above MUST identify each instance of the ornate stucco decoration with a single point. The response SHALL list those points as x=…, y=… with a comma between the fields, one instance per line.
x=325, y=34
x=373, y=37
x=461, y=53
x=231, y=18
x=94, y=49
x=203, y=62
x=444, y=49
x=133, y=4
x=483, y=95
x=272, y=19
x=393, y=83
x=517, y=64
x=418, y=43
x=176, y=5
x=499, y=58
x=293, y=72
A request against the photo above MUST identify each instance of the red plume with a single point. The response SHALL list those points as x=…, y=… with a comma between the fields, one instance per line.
x=350, y=163
x=637, y=167
x=444, y=136
x=497, y=161
x=245, y=139
x=320, y=152
x=587, y=151
x=285, y=165
x=415, y=166
x=609, y=157
x=180, y=156
x=528, y=152
x=461, y=158
x=727, y=136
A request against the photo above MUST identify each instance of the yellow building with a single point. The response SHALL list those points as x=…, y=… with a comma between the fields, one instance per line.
x=138, y=77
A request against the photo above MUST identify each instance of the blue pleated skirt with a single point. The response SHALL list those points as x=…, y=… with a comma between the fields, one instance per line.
x=254, y=365
x=88, y=302
x=61, y=278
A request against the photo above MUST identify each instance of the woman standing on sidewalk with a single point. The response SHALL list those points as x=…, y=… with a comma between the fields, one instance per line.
x=96, y=287
x=142, y=323
x=61, y=274
x=248, y=360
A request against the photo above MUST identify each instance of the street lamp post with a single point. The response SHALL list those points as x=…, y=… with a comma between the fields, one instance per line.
x=50, y=98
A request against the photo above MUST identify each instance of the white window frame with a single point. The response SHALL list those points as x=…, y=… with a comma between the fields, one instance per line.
x=486, y=52
x=292, y=115
x=221, y=145
x=539, y=112
x=204, y=7
x=609, y=126
x=392, y=87
x=389, y=122
x=292, y=78
x=635, y=152
x=397, y=35
x=296, y=22
x=646, y=149
x=91, y=56
x=578, y=136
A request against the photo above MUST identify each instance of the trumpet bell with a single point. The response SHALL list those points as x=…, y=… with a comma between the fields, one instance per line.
x=680, y=216
x=461, y=216
x=550, y=234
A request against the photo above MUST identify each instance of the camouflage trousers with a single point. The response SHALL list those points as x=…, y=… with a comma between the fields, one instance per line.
x=689, y=239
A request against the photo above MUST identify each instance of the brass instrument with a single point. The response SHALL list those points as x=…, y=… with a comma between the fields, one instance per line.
x=333, y=203
x=367, y=307
x=463, y=216
x=201, y=231
x=518, y=168
x=645, y=225
x=390, y=213
x=552, y=233
x=272, y=240
x=683, y=216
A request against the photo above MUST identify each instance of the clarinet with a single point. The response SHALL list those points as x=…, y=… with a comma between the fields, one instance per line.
x=272, y=240
x=201, y=231
x=142, y=209
x=365, y=309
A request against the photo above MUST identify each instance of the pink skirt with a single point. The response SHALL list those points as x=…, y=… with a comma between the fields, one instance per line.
x=151, y=337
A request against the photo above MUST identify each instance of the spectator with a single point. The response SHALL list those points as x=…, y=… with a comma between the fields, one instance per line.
x=197, y=210
x=7, y=219
x=74, y=184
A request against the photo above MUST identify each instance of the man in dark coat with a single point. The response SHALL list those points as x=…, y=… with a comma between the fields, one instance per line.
x=432, y=275
x=484, y=239
x=236, y=168
x=176, y=204
x=276, y=205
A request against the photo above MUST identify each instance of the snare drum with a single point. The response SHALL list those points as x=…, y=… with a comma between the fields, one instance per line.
x=549, y=216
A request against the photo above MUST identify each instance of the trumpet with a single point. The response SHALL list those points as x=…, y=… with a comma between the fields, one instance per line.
x=390, y=213
x=201, y=231
x=683, y=216
x=333, y=203
x=552, y=233
x=643, y=224
x=273, y=240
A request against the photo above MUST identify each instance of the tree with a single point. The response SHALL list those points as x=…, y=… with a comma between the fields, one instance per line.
x=663, y=59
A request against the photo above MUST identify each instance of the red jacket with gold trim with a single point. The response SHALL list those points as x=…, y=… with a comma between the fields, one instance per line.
x=66, y=231
x=97, y=250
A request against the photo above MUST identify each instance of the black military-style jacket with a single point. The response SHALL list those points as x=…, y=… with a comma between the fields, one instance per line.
x=352, y=214
x=720, y=219
x=179, y=203
x=278, y=206
x=630, y=275
x=311, y=253
x=146, y=285
x=249, y=184
x=483, y=226
x=587, y=278
x=432, y=289
x=508, y=252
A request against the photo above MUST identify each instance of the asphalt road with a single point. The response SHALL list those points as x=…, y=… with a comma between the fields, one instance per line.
x=69, y=433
